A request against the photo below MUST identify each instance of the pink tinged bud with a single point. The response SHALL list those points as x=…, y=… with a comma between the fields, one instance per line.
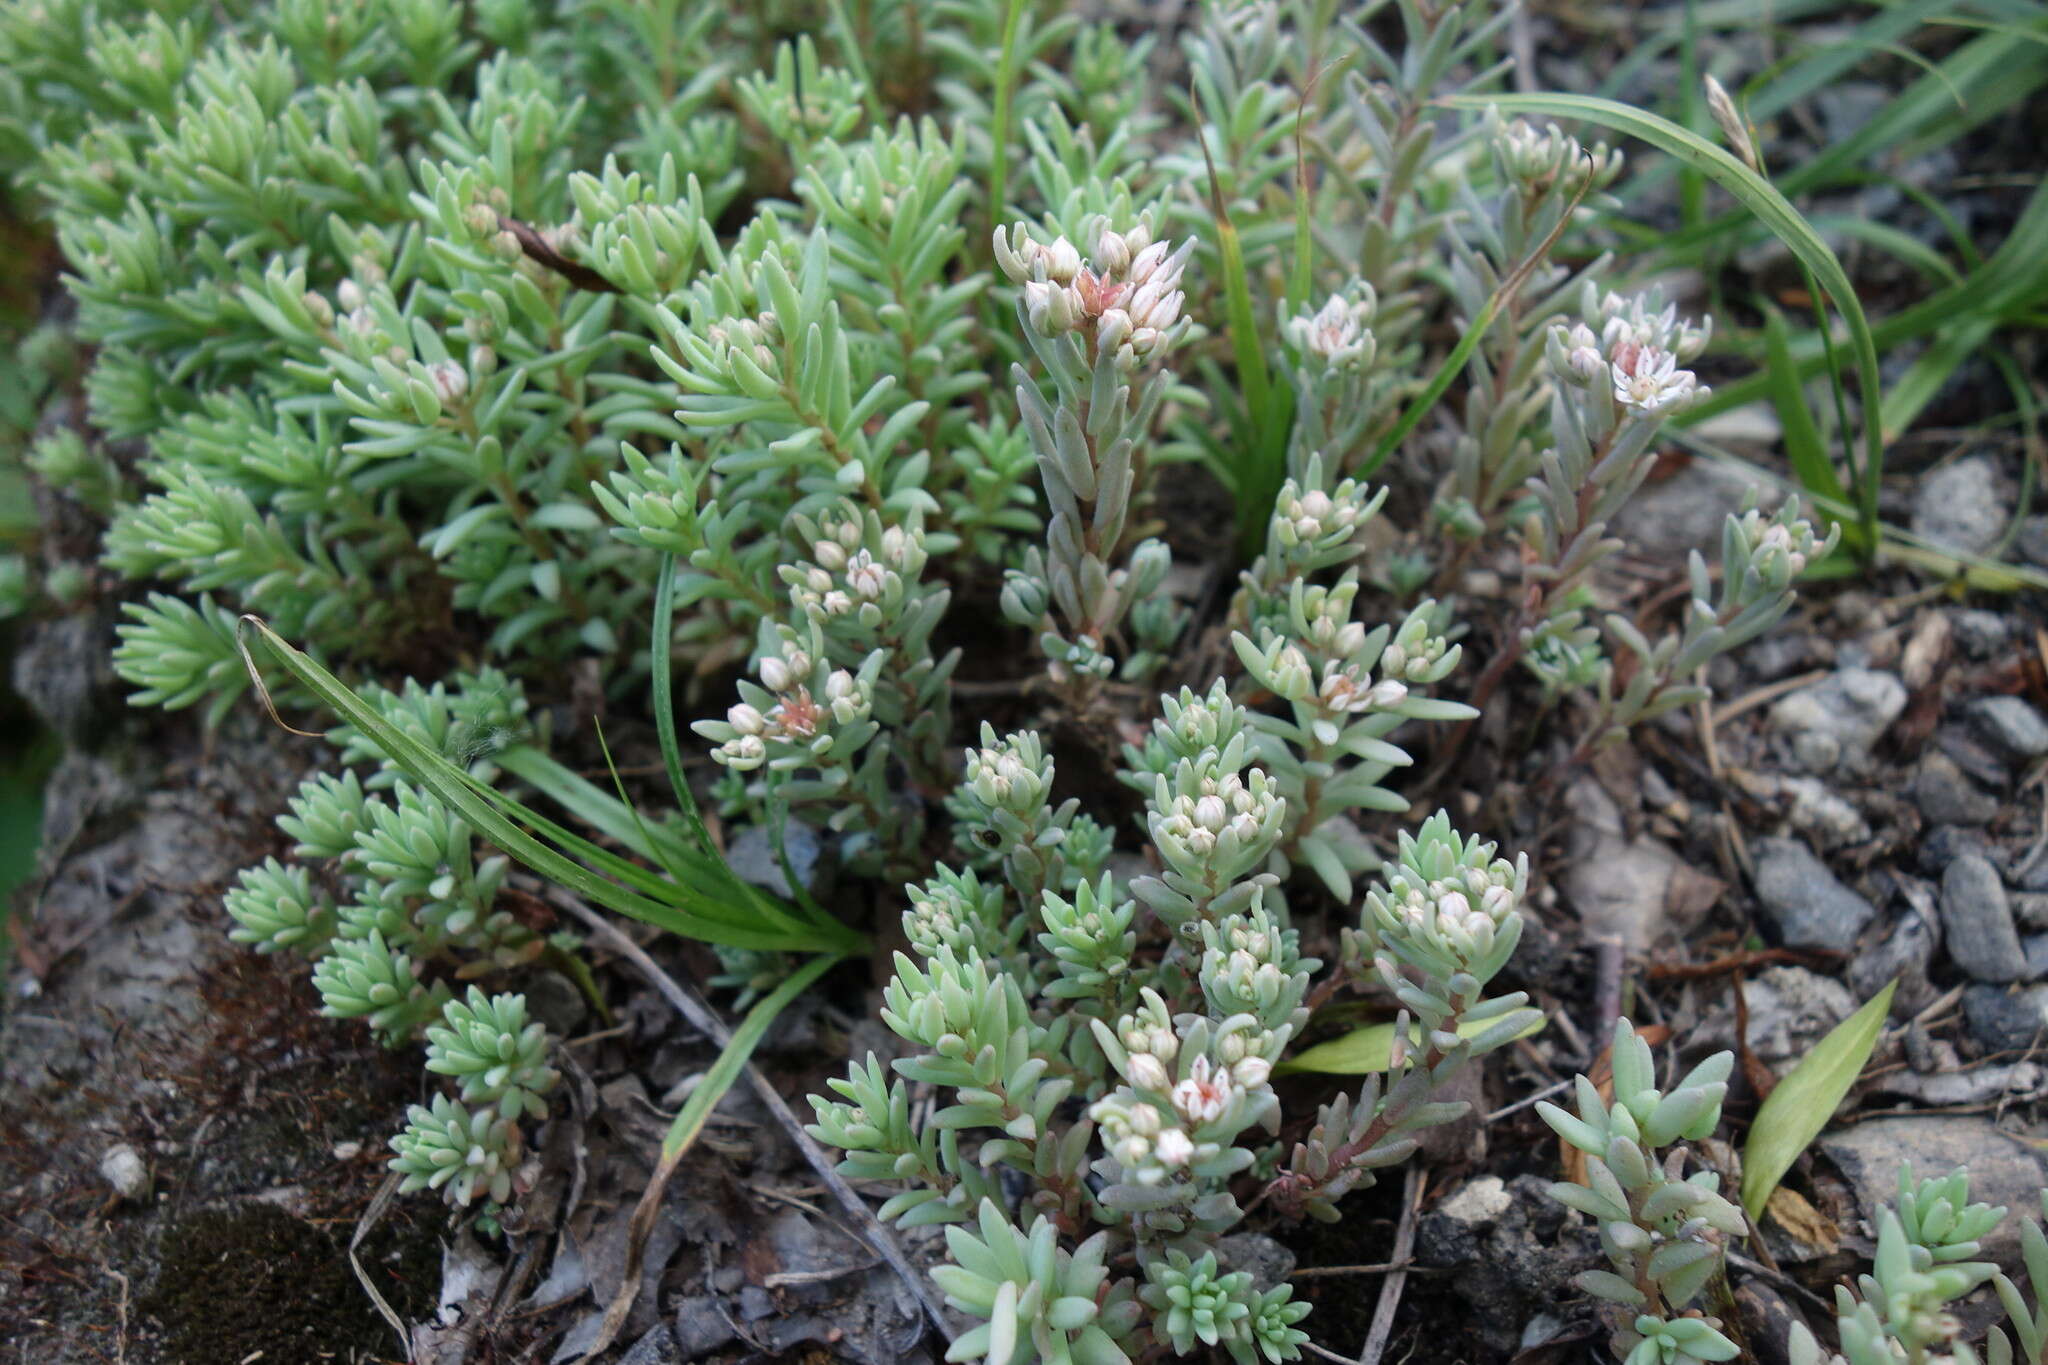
x=1252, y=1072
x=1173, y=1148
x=449, y=379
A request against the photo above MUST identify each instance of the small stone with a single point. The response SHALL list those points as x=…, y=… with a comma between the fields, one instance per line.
x=1803, y=900
x=1903, y=956
x=2007, y=1021
x=555, y=1000
x=657, y=1347
x=2035, y=946
x=1268, y=1262
x=1791, y=1009
x=1943, y=844
x=1836, y=720
x=2033, y=539
x=2011, y=726
x=1946, y=797
x=1963, y=746
x=2030, y=908
x=1980, y=634
x=700, y=1327
x=1822, y=812
x=1977, y=921
x=752, y=857
x=1960, y=507
x=123, y=1168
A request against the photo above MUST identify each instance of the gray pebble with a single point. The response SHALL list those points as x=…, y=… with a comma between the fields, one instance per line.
x=1836, y=720
x=1943, y=844
x=1977, y=921
x=1803, y=900
x=2007, y=1021
x=1947, y=797
x=123, y=1167
x=1961, y=507
x=1967, y=749
x=2033, y=539
x=1980, y=634
x=2030, y=908
x=2035, y=946
x=2011, y=725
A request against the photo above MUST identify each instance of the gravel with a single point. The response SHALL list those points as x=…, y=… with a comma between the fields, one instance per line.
x=2011, y=726
x=1977, y=920
x=1834, y=722
x=2007, y=1021
x=1803, y=900
x=1946, y=796
x=1961, y=507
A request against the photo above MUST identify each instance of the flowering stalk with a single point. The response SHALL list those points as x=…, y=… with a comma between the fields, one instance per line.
x=1098, y=327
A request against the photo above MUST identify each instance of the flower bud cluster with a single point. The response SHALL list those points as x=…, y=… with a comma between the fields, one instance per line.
x=1252, y=966
x=801, y=711
x=1123, y=301
x=1447, y=909
x=1012, y=774
x=1337, y=336
x=1780, y=546
x=1541, y=159
x=955, y=912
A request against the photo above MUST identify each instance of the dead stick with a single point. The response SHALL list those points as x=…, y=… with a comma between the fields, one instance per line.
x=1396, y=1281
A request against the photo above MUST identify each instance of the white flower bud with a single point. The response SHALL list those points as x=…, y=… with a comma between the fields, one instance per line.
x=1174, y=1148
x=775, y=674
x=1251, y=1072
x=745, y=719
x=830, y=554
x=1147, y=1072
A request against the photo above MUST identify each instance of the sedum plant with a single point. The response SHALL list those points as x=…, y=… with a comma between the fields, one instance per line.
x=1663, y=1231
x=466, y=339
x=391, y=896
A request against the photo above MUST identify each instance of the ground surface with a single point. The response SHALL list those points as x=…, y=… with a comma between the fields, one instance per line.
x=186, y=1152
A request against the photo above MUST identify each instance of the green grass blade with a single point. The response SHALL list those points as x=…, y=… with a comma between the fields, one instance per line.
x=1262, y=452
x=1803, y=444
x=1762, y=199
x=690, y=1120
x=503, y=821
x=663, y=665
x=1805, y=1100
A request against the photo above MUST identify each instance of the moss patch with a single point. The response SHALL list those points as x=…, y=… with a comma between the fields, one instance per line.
x=252, y=1278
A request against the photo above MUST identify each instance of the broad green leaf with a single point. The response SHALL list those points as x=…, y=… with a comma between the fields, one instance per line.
x=1805, y=1100
x=1776, y=212
x=1371, y=1048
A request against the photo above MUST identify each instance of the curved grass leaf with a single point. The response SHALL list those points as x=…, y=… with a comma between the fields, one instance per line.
x=1776, y=212
x=717, y=909
x=1805, y=1100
